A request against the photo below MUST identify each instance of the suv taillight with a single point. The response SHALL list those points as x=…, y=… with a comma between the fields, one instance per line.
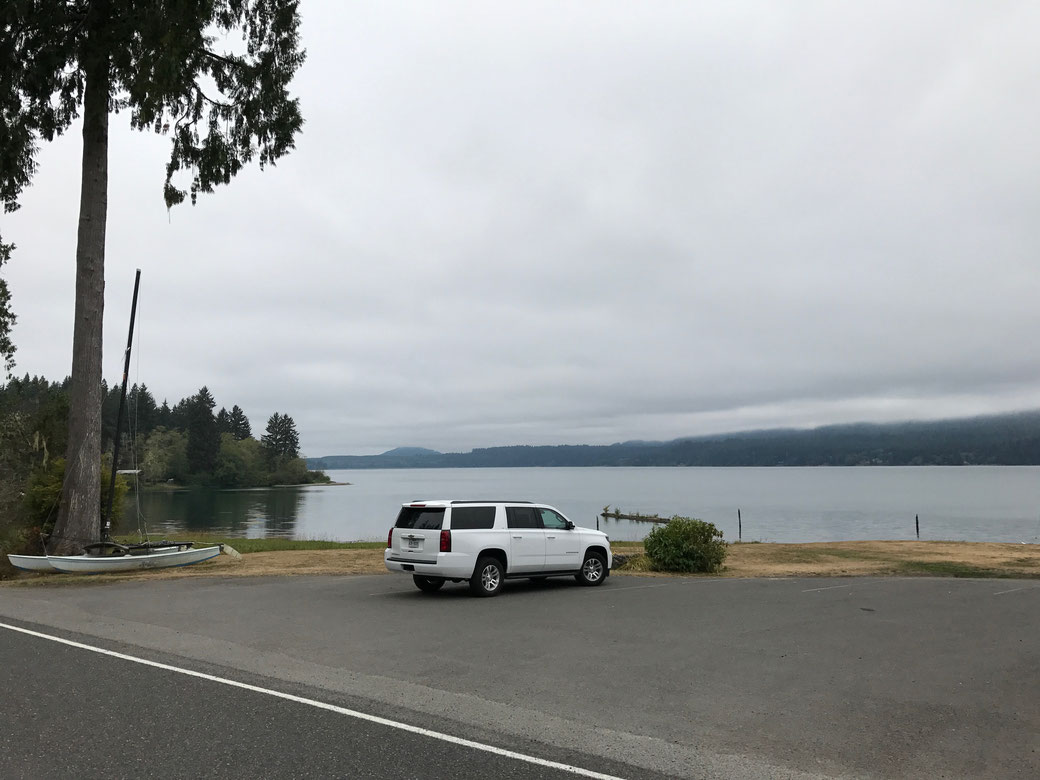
x=445, y=540
x=390, y=537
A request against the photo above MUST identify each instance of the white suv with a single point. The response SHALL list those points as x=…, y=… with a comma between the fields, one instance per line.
x=485, y=542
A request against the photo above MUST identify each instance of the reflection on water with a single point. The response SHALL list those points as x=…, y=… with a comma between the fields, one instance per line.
x=254, y=514
x=976, y=503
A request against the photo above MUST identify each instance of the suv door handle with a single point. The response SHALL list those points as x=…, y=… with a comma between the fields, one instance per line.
x=518, y=537
x=550, y=537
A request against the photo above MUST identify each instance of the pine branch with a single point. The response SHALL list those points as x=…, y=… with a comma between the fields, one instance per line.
x=221, y=58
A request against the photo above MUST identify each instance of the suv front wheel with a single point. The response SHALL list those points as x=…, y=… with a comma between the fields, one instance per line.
x=593, y=569
x=487, y=577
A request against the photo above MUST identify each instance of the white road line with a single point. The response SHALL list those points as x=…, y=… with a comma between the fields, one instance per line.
x=576, y=770
x=831, y=587
x=1014, y=590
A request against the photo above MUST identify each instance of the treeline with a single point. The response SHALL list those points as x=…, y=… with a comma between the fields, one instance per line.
x=1006, y=440
x=187, y=443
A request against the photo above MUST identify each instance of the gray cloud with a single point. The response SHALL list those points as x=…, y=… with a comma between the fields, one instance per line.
x=588, y=222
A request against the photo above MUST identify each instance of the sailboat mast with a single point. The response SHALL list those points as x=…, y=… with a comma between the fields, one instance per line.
x=107, y=524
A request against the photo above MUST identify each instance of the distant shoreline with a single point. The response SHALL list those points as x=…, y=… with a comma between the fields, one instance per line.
x=164, y=488
x=397, y=467
x=997, y=440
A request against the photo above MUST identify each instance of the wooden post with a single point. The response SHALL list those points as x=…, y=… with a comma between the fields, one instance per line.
x=917, y=526
x=740, y=531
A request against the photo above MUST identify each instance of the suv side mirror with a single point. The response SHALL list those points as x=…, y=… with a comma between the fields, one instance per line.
x=569, y=526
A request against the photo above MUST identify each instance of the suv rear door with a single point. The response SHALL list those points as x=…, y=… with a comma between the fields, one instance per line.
x=526, y=539
x=417, y=533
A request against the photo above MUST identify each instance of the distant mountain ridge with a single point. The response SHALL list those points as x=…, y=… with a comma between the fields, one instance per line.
x=408, y=452
x=1006, y=440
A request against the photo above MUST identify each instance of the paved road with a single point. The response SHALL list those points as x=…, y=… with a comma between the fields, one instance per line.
x=687, y=677
x=73, y=713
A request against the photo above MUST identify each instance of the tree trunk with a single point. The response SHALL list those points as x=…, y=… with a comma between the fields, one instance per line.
x=79, y=515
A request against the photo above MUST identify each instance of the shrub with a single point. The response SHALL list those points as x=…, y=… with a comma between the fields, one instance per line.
x=43, y=494
x=686, y=545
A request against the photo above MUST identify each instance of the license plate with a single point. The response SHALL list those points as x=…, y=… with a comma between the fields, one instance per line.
x=413, y=544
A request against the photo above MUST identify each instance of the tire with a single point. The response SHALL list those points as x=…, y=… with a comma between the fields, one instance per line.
x=487, y=577
x=593, y=569
x=427, y=584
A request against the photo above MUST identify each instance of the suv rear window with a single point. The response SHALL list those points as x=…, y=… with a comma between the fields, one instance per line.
x=469, y=517
x=421, y=517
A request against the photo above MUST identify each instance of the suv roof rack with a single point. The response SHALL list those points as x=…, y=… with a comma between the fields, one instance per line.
x=489, y=501
x=441, y=501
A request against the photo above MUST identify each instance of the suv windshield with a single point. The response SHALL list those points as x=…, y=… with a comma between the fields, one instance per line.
x=421, y=517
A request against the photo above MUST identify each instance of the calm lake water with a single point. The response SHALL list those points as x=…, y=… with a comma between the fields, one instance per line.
x=975, y=503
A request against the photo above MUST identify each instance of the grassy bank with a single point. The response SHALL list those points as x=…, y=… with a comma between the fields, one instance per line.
x=284, y=557
x=868, y=558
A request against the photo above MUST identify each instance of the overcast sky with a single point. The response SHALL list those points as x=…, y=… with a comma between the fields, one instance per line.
x=586, y=222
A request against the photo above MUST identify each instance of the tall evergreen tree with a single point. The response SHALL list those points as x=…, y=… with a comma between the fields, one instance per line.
x=180, y=415
x=142, y=411
x=203, y=437
x=281, y=439
x=223, y=421
x=164, y=417
x=158, y=59
x=239, y=423
x=109, y=413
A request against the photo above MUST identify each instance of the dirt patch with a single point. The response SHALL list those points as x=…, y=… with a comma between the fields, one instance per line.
x=261, y=564
x=882, y=557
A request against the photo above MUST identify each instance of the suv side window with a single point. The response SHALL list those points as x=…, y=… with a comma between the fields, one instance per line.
x=552, y=520
x=472, y=517
x=522, y=517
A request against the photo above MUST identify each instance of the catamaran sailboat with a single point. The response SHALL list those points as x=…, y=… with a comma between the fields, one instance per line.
x=108, y=555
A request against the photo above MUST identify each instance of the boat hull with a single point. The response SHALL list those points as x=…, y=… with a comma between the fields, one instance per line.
x=93, y=564
x=31, y=562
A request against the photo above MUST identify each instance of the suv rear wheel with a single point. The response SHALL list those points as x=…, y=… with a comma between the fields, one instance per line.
x=427, y=584
x=487, y=577
x=593, y=569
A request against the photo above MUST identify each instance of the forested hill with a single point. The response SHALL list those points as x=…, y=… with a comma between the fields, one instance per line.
x=1009, y=439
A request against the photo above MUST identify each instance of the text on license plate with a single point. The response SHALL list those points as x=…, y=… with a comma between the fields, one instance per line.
x=413, y=544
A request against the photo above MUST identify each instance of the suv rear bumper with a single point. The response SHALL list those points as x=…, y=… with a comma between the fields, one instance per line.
x=449, y=565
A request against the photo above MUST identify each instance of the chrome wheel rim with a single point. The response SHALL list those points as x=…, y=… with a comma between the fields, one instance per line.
x=489, y=577
x=593, y=569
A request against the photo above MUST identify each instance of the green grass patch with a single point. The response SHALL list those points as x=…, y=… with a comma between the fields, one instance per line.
x=951, y=569
x=624, y=547
x=1025, y=561
x=815, y=554
x=852, y=555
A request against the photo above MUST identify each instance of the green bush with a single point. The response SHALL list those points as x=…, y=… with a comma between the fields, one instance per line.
x=686, y=545
x=43, y=494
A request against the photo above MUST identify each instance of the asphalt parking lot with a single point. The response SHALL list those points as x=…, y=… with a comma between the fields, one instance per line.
x=689, y=677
